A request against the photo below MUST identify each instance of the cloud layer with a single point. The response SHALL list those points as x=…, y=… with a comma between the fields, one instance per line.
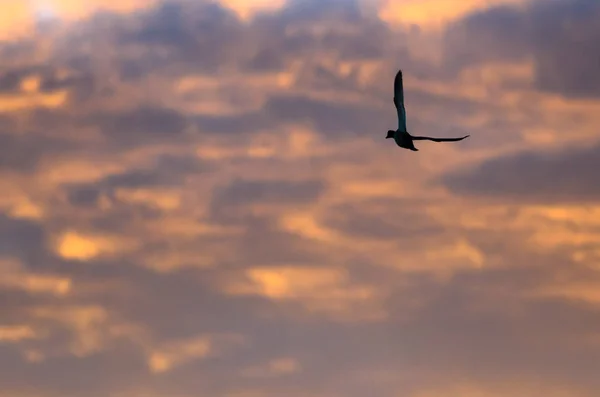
x=198, y=200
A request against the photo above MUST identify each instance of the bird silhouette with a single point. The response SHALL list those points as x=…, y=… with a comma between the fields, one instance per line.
x=401, y=135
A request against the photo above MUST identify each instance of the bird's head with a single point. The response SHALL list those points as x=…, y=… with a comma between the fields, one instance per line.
x=390, y=134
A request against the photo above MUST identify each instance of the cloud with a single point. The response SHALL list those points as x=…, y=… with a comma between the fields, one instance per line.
x=16, y=333
x=558, y=36
x=318, y=290
x=433, y=13
x=21, y=238
x=276, y=367
x=177, y=353
x=325, y=117
x=17, y=277
x=72, y=245
x=196, y=189
x=140, y=125
x=25, y=153
x=247, y=10
x=268, y=192
x=552, y=177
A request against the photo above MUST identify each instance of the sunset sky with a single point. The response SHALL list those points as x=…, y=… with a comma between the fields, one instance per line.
x=197, y=199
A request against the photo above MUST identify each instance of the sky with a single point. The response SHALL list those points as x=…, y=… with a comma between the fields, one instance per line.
x=198, y=199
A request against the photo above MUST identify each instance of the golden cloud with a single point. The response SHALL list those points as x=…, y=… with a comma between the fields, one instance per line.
x=247, y=9
x=433, y=13
x=16, y=333
x=179, y=352
x=84, y=247
x=16, y=276
x=20, y=17
x=325, y=291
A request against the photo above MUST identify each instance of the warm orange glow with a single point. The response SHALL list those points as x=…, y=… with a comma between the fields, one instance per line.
x=177, y=354
x=246, y=9
x=74, y=246
x=83, y=247
x=433, y=12
x=15, y=333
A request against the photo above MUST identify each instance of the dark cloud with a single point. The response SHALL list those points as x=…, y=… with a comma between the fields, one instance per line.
x=20, y=238
x=80, y=86
x=314, y=11
x=352, y=34
x=565, y=176
x=471, y=337
x=150, y=120
x=10, y=80
x=175, y=294
x=95, y=375
x=367, y=43
x=24, y=152
x=79, y=83
x=165, y=171
x=234, y=202
x=265, y=60
x=163, y=25
x=263, y=242
x=495, y=34
x=561, y=37
x=369, y=219
x=568, y=57
x=141, y=125
x=245, y=123
x=19, y=49
x=268, y=192
x=85, y=196
x=203, y=34
x=328, y=118
x=207, y=37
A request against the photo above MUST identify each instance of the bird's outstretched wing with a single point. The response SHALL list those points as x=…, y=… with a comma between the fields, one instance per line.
x=399, y=101
x=422, y=138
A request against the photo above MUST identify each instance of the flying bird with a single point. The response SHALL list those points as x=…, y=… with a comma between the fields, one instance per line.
x=401, y=135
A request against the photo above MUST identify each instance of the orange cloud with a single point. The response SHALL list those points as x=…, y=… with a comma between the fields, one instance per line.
x=19, y=17
x=92, y=328
x=83, y=247
x=324, y=290
x=32, y=99
x=433, y=13
x=179, y=352
x=247, y=9
x=16, y=276
x=16, y=333
x=73, y=9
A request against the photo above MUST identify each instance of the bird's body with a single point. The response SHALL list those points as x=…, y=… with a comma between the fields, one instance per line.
x=401, y=135
x=404, y=140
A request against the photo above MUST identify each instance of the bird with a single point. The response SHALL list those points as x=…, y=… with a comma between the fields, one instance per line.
x=401, y=135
